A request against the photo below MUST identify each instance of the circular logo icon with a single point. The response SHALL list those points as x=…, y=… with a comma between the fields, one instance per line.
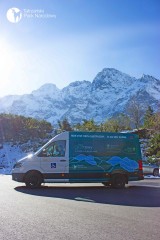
x=14, y=15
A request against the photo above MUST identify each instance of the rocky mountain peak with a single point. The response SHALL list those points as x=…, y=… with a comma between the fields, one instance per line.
x=48, y=89
x=149, y=79
x=111, y=77
x=108, y=94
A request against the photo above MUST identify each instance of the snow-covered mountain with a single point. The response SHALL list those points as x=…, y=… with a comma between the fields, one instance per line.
x=110, y=93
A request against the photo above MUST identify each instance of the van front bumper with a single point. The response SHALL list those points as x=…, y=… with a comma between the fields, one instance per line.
x=18, y=177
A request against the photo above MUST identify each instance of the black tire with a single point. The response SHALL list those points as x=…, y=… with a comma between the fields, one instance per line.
x=33, y=180
x=118, y=181
x=156, y=172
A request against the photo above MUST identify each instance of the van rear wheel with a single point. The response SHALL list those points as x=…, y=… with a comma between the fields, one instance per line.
x=118, y=181
x=33, y=180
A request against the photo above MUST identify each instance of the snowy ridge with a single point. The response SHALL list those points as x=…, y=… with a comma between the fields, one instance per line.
x=109, y=93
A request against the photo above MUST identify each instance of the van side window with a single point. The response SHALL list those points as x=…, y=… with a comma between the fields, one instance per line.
x=55, y=149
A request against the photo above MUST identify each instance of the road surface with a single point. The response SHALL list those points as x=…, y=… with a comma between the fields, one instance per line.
x=79, y=211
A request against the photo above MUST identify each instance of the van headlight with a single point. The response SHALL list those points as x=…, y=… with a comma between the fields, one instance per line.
x=18, y=165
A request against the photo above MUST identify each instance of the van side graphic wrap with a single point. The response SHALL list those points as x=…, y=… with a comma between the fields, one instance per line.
x=114, y=162
x=103, y=152
x=125, y=163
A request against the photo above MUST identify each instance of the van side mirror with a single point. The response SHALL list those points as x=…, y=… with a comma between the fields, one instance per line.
x=43, y=153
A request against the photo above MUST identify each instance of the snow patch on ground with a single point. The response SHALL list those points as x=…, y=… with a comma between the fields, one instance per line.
x=9, y=155
x=151, y=177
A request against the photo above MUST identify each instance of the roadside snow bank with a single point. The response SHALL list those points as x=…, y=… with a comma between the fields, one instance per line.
x=151, y=177
x=9, y=154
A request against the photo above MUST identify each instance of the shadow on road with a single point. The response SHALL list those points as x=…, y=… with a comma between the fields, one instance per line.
x=138, y=196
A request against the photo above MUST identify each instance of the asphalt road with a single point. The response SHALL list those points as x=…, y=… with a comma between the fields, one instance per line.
x=79, y=211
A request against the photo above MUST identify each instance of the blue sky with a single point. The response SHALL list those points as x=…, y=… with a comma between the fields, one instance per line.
x=85, y=37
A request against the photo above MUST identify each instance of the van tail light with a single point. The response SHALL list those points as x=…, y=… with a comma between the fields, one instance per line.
x=140, y=165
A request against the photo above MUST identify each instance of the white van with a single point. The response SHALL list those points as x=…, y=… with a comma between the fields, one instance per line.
x=82, y=157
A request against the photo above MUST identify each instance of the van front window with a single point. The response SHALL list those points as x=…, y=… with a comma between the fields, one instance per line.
x=55, y=149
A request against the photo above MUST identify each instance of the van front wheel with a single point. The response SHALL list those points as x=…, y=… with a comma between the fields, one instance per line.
x=118, y=181
x=33, y=180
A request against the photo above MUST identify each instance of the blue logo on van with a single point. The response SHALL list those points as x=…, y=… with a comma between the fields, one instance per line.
x=53, y=165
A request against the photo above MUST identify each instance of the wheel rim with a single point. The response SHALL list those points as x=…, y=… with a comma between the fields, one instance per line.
x=118, y=182
x=33, y=181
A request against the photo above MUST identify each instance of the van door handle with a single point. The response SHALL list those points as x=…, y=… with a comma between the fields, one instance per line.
x=62, y=160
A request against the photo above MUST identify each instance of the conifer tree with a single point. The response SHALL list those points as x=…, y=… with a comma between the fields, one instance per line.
x=148, y=117
x=64, y=125
x=154, y=146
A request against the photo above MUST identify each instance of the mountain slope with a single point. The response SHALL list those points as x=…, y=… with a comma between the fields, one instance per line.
x=110, y=93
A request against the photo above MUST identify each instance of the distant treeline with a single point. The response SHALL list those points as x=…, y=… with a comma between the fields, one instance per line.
x=15, y=128
x=20, y=129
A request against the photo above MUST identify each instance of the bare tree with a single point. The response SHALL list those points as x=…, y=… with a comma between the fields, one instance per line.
x=135, y=111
